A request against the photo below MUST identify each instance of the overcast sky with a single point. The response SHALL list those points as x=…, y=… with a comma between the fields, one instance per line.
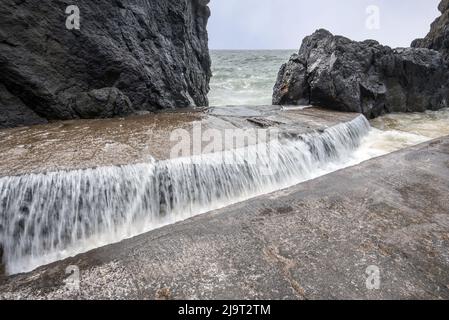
x=282, y=24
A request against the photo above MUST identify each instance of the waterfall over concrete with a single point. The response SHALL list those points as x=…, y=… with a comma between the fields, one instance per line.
x=50, y=216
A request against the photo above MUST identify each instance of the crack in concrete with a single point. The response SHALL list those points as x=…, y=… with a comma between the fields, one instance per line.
x=286, y=265
x=273, y=255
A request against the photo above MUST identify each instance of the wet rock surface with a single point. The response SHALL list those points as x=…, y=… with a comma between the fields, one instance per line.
x=80, y=144
x=366, y=77
x=312, y=241
x=127, y=57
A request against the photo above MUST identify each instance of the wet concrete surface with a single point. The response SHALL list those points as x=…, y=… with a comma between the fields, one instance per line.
x=312, y=241
x=80, y=144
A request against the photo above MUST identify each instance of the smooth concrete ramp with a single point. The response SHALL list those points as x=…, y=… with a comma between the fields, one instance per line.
x=313, y=241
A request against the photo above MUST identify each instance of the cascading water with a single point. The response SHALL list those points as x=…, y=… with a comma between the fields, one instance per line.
x=47, y=217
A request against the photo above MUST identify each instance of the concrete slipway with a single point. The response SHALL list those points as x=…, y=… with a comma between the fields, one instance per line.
x=312, y=241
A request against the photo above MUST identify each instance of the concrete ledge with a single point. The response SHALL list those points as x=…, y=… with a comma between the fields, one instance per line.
x=81, y=144
x=312, y=241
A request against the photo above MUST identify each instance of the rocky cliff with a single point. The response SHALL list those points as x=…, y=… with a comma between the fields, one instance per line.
x=438, y=37
x=367, y=77
x=126, y=57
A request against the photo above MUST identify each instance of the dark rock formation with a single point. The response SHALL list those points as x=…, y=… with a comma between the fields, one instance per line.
x=127, y=57
x=366, y=77
x=13, y=112
x=438, y=37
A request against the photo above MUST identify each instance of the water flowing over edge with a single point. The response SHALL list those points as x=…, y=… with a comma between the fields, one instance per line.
x=51, y=216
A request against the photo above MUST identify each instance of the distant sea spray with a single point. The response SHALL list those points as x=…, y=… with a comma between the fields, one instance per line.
x=245, y=77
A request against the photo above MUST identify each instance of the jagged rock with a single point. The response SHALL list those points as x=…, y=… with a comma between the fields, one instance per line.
x=366, y=77
x=438, y=37
x=144, y=55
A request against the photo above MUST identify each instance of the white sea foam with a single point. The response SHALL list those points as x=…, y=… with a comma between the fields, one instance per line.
x=47, y=217
x=245, y=77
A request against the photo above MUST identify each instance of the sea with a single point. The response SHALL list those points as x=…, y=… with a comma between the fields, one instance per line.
x=247, y=77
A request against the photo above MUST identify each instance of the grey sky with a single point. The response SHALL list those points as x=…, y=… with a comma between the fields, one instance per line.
x=282, y=24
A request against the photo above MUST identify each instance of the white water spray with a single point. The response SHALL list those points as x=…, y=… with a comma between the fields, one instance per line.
x=51, y=216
